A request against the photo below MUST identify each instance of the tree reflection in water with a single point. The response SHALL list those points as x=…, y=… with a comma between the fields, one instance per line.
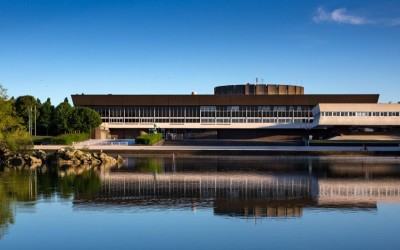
x=14, y=186
x=27, y=185
x=242, y=187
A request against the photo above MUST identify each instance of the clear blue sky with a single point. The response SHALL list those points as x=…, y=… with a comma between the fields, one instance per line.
x=54, y=48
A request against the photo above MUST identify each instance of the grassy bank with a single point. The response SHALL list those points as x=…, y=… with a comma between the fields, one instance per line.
x=42, y=140
x=64, y=139
x=148, y=139
x=68, y=139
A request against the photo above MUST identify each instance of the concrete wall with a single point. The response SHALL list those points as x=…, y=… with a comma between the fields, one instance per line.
x=356, y=120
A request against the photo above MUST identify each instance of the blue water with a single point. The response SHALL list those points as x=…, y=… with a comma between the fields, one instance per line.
x=47, y=215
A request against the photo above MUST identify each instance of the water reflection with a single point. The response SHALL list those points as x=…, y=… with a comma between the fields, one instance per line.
x=252, y=186
x=14, y=187
x=22, y=186
x=245, y=187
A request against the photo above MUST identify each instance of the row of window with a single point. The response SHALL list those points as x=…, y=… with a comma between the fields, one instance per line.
x=255, y=108
x=204, y=120
x=219, y=120
x=360, y=113
x=203, y=111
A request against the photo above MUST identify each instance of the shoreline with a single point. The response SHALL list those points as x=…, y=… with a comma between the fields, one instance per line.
x=236, y=150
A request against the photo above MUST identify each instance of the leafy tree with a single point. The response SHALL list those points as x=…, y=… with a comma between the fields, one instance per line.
x=76, y=120
x=46, y=116
x=84, y=119
x=23, y=105
x=62, y=115
x=91, y=119
x=12, y=131
x=9, y=119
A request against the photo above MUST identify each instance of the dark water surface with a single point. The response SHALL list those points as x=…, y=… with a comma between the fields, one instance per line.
x=204, y=203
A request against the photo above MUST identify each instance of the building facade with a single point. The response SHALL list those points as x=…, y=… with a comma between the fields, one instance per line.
x=235, y=111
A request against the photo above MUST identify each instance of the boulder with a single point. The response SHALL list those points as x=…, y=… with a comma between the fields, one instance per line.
x=40, y=154
x=32, y=160
x=17, y=160
x=82, y=156
x=4, y=151
x=95, y=161
x=69, y=154
x=107, y=159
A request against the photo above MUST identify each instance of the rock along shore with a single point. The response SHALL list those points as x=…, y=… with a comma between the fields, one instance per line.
x=61, y=157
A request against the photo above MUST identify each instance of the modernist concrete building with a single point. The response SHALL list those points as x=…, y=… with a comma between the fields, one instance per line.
x=240, y=111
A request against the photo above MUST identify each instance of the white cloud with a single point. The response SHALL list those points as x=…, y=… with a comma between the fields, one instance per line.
x=338, y=16
x=394, y=22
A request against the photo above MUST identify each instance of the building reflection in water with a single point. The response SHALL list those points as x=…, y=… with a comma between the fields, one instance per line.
x=248, y=187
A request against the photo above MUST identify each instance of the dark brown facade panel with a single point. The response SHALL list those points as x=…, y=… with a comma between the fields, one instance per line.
x=367, y=99
x=286, y=100
x=301, y=100
x=107, y=100
x=253, y=100
x=191, y=100
x=347, y=99
x=82, y=100
x=128, y=100
x=237, y=100
x=176, y=100
x=315, y=99
x=146, y=100
x=160, y=100
x=215, y=100
x=210, y=100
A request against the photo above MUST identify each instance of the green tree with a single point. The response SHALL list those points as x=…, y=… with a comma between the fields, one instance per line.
x=24, y=105
x=7, y=121
x=84, y=119
x=76, y=120
x=62, y=114
x=91, y=119
x=12, y=131
x=46, y=116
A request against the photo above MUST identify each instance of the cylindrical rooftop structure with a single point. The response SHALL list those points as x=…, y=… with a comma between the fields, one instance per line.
x=259, y=89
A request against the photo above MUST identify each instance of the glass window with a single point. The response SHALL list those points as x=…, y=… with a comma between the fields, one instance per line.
x=264, y=108
x=233, y=108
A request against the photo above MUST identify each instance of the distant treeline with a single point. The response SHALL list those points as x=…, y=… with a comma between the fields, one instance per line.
x=27, y=115
x=51, y=120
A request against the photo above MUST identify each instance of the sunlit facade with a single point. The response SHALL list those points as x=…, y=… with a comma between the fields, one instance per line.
x=235, y=111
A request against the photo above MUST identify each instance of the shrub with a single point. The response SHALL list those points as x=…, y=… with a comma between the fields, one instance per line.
x=68, y=139
x=19, y=141
x=148, y=139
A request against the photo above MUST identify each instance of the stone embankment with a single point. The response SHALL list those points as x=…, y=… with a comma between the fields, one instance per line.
x=61, y=157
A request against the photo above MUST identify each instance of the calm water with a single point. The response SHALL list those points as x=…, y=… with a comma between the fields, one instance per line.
x=204, y=203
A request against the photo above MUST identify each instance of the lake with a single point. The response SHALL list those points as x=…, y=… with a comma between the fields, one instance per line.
x=178, y=202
